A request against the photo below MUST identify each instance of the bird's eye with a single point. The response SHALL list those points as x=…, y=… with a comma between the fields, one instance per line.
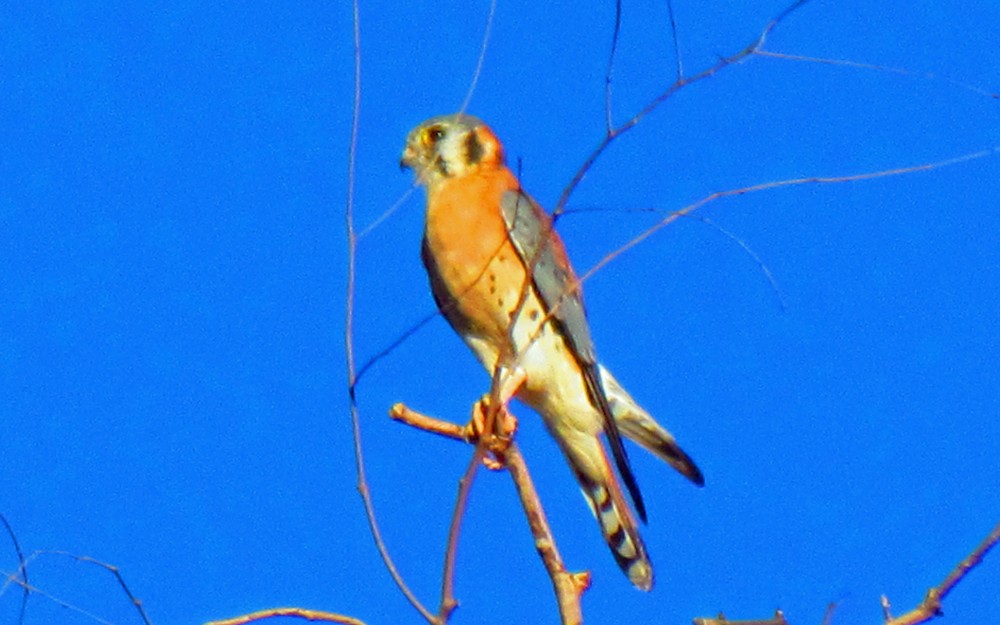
x=434, y=134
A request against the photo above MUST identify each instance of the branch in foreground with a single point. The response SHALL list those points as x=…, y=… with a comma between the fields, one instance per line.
x=777, y=619
x=22, y=570
x=569, y=587
x=20, y=577
x=309, y=615
x=930, y=607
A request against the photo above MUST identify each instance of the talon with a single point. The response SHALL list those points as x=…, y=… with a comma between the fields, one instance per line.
x=508, y=425
x=492, y=463
x=479, y=425
x=496, y=441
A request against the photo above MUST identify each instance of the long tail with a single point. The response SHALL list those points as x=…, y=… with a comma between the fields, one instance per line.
x=600, y=486
x=639, y=425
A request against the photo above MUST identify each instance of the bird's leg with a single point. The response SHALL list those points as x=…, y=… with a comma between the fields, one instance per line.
x=493, y=424
x=511, y=381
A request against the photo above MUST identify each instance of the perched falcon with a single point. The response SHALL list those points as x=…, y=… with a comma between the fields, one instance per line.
x=500, y=276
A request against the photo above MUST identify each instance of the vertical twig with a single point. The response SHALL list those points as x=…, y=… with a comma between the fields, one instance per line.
x=349, y=334
x=676, y=39
x=22, y=569
x=448, y=601
x=608, y=121
x=482, y=57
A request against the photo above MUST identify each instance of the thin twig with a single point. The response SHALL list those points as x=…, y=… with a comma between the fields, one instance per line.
x=67, y=605
x=777, y=619
x=362, y=485
x=608, y=121
x=828, y=615
x=930, y=607
x=969, y=563
x=482, y=57
x=22, y=569
x=653, y=104
x=386, y=214
x=676, y=39
x=749, y=251
x=775, y=185
x=448, y=601
x=135, y=601
x=880, y=68
x=309, y=615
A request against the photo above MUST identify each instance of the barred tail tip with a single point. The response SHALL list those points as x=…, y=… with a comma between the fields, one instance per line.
x=621, y=534
x=640, y=573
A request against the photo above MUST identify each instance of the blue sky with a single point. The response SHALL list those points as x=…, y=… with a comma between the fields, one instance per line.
x=172, y=297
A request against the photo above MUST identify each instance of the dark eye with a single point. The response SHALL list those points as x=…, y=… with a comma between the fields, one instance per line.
x=434, y=134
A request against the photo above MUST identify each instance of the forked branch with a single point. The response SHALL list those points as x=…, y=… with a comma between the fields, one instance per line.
x=568, y=586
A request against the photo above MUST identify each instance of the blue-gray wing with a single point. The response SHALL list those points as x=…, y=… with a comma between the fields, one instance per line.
x=531, y=231
x=528, y=226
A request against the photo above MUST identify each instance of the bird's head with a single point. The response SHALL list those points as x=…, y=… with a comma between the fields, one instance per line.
x=449, y=146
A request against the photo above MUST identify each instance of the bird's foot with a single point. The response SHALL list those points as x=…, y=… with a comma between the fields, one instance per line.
x=493, y=429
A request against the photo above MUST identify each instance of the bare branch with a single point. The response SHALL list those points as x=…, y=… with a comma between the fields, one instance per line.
x=352, y=245
x=482, y=57
x=448, y=601
x=386, y=214
x=828, y=615
x=653, y=104
x=608, y=120
x=777, y=619
x=743, y=245
x=22, y=570
x=676, y=40
x=309, y=615
x=568, y=586
x=879, y=68
x=774, y=185
x=400, y=412
x=930, y=607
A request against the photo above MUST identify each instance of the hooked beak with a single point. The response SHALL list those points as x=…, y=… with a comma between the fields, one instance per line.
x=406, y=160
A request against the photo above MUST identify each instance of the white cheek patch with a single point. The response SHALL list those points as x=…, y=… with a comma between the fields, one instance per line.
x=451, y=152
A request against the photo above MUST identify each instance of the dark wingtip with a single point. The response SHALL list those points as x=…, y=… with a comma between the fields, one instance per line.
x=599, y=400
x=633, y=489
x=696, y=477
x=691, y=471
x=625, y=470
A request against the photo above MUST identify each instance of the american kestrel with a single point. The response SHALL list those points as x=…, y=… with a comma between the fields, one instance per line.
x=484, y=239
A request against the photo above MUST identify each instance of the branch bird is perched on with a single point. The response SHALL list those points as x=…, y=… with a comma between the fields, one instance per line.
x=500, y=276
